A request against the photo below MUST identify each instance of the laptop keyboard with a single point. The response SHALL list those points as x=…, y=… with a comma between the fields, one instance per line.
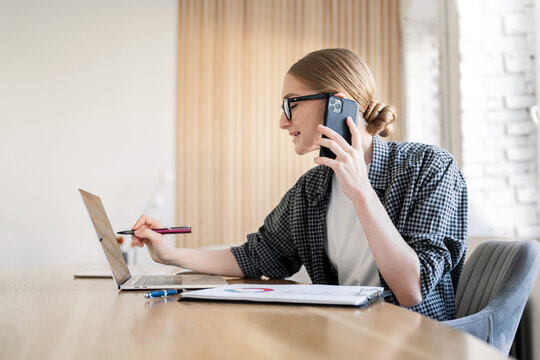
x=158, y=280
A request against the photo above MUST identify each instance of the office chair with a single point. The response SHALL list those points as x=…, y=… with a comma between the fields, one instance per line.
x=494, y=287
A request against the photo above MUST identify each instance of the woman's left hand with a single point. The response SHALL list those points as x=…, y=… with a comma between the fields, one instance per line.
x=349, y=165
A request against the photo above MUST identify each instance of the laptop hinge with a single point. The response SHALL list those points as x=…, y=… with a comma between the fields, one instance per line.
x=124, y=280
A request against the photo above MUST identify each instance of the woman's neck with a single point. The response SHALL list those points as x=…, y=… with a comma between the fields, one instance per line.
x=367, y=147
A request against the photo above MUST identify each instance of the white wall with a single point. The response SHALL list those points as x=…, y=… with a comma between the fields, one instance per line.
x=87, y=99
x=420, y=51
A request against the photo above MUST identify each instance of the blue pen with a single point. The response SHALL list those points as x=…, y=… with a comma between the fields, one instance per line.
x=161, y=293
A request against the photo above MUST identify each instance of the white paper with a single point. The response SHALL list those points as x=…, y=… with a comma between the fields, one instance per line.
x=309, y=294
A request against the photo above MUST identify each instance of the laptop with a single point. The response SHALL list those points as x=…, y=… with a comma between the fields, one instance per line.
x=121, y=275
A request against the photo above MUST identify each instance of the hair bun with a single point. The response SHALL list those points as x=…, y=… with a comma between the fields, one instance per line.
x=379, y=118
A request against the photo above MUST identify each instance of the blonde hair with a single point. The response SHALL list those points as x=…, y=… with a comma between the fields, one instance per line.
x=341, y=70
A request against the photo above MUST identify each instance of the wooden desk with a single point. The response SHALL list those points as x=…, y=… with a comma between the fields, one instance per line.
x=46, y=314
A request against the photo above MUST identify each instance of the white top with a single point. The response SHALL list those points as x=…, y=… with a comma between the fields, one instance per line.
x=346, y=244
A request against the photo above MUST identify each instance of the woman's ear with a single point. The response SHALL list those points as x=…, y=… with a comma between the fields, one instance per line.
x=341, y=95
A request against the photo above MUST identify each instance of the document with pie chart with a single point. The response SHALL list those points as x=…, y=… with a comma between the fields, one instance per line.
x=302, y=294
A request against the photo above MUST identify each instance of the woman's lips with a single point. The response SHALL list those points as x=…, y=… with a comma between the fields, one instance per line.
x=294, y=135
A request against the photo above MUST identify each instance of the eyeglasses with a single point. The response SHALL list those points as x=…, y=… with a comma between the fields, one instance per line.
x=286, y=104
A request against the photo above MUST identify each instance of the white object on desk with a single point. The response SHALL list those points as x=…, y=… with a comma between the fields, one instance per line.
x=303, y=294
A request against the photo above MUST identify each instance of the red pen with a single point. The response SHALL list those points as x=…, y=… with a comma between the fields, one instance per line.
x=169, y=230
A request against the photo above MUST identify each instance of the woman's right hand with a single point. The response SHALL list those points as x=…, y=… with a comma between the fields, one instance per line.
x=158, y=248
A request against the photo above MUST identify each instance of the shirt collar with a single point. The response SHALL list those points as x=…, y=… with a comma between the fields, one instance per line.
x=322, y=186
x=377, y=174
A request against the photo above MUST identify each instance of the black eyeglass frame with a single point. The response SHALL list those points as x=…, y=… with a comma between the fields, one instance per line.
x=286, y=103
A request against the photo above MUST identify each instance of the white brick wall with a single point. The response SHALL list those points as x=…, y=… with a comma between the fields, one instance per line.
x=499, y=142
x=497, y=87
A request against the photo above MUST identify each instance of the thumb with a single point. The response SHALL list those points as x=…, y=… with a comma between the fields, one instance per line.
x=146, y=233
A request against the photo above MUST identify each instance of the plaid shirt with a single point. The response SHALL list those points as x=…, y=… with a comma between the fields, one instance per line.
x=425, y=196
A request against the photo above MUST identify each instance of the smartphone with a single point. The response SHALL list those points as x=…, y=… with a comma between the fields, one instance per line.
x=335, y=117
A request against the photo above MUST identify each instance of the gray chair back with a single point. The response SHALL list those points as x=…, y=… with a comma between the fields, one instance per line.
x=494, y=287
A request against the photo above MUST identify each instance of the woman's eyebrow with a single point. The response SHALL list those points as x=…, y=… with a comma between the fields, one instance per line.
x=290, y=95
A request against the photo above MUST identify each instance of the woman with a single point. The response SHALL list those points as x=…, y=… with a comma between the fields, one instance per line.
x=381, y=213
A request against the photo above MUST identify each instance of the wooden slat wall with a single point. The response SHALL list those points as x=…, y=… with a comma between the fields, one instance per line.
x=234, y=163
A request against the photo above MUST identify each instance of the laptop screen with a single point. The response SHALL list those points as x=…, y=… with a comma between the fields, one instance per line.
x=106, y=236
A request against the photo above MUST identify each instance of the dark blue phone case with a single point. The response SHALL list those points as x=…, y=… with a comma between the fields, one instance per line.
x=335, y=117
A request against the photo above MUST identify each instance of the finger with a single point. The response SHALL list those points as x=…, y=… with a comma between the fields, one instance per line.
x=355, y=134
x=322, y=160
x=332, y=145
x=147, y=234
x=146, y=221
x=331, y=134
x=139, y=223
x=135, y=241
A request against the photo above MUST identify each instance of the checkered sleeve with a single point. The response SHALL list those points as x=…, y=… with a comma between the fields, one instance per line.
x=437, y=226
x=271, y=251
